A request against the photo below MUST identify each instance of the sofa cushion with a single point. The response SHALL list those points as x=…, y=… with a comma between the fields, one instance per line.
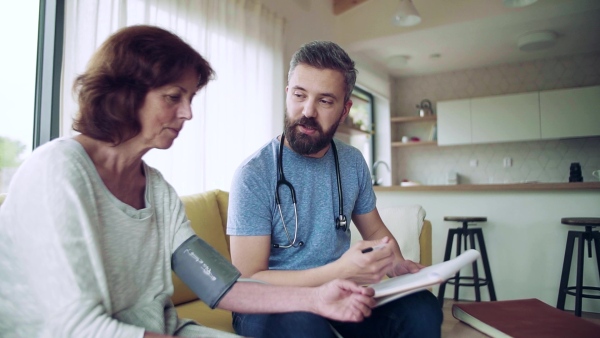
x=223, y=200
x=205, y=217
x=201, y=313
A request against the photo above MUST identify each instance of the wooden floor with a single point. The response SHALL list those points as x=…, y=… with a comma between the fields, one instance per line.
x=453, y=328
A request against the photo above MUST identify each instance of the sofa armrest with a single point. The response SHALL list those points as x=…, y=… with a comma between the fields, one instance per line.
x=425, y=247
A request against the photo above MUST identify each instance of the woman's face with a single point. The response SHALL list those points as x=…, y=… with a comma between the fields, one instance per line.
x=165, y=110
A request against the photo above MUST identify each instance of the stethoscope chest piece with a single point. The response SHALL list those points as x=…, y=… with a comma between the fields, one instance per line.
x=341, y=223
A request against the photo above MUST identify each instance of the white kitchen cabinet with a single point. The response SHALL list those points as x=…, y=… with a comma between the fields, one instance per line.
x=454, y=122
x=505, y=118
x=573, y=112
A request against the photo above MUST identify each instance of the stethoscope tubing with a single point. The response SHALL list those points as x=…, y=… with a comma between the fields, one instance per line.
x=340, y=221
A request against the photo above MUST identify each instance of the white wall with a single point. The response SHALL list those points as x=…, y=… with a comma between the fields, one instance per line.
x=306, y=20
x=524, y=238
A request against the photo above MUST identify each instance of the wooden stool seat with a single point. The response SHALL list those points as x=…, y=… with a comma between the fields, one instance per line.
x=589, y=236
x=472, y=281
x=585, y=221
x=465, y=219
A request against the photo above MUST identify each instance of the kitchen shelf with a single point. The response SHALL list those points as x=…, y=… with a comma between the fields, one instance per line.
x=495, y=187
x=343, y=129
x=414, y=144
x=405, y=119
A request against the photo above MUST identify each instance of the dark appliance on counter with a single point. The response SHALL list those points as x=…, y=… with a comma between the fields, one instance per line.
x=575, y=173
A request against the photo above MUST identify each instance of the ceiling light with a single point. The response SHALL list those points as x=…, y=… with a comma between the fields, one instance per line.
x=536, y=41
x=406, y=15
x=518, y=3
x=397, y=61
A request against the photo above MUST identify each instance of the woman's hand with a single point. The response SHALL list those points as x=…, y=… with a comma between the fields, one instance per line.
x=343, y=300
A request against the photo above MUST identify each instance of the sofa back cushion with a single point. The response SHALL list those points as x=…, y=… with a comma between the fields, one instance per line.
x=207, y=213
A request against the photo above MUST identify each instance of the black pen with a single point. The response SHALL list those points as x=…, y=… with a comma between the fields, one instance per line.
x=369, y=249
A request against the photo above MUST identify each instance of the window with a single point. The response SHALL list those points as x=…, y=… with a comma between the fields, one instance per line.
x=357, y=130
x=18, y=84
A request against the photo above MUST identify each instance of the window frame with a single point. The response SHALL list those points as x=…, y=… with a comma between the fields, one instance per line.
x=48, y=71
x=367, y=96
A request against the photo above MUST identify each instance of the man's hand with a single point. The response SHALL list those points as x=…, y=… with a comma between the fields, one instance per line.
x=343, y=300
x=404, y=267
x=369, y=267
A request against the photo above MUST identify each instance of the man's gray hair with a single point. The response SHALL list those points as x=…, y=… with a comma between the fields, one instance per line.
x=326, y=55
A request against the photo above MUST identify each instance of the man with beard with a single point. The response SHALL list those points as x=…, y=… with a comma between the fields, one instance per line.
x=290, y=208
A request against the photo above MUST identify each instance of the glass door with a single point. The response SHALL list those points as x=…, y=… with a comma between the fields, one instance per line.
x=19, y=36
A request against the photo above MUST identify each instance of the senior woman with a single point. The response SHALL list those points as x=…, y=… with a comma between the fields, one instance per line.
x=89, y=231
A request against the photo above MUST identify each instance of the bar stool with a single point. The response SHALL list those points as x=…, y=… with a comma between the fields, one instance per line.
x=588, y=235
x=470, y=234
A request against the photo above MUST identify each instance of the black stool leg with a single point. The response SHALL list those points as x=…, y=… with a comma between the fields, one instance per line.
x=596, y=239
x=486, y=265
x=447, y=254
x=564, y=279
x=460, y=234
x=475, y=269
x=579, y=285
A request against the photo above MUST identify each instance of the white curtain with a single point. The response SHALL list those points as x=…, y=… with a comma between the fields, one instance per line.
x=234, y=115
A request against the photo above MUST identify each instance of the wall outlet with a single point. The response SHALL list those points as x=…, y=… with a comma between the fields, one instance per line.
x=473, y=163
x=507, y=162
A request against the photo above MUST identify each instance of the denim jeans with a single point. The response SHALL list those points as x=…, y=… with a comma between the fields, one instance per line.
x=416, y=315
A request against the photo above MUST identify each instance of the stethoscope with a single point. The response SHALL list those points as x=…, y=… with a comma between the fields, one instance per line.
x=340, y=221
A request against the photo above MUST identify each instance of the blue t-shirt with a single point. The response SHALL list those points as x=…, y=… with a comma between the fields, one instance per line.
x=253, y=211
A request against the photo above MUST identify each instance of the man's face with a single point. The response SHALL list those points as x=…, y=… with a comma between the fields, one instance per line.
x=315, y=107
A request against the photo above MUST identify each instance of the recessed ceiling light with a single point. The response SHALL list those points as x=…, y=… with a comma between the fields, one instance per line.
x=536, y=41
x=397, y=61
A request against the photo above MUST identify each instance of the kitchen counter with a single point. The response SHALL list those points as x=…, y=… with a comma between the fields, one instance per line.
x=495, y=187
x=525, y=238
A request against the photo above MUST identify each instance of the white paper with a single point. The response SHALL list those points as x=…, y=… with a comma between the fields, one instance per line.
x=393, y=288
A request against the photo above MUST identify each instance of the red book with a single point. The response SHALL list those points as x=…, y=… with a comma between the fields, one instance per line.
x=523, y=318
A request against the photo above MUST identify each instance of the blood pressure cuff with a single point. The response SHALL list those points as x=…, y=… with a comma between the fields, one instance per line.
x=204, y=270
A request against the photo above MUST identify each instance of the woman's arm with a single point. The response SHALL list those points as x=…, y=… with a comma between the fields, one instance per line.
x=340, y=300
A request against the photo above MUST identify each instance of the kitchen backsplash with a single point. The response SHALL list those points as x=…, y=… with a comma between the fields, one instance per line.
x=533, y=161
x=541, y=161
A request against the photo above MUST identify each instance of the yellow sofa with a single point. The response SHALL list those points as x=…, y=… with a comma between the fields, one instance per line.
x=208, y=215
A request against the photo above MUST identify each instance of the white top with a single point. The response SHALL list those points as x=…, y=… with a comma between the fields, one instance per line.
x=76, y=261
